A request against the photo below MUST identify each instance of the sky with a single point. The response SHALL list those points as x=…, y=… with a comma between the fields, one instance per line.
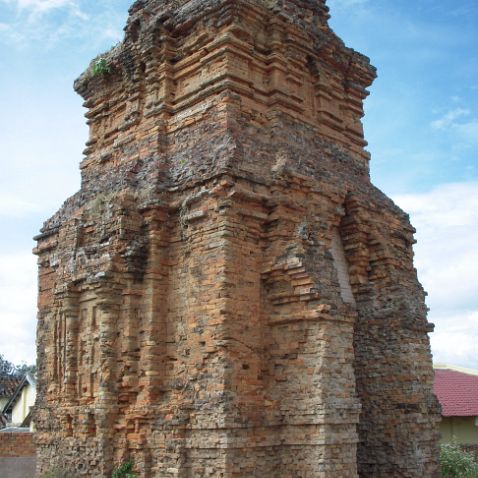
x=421, y=123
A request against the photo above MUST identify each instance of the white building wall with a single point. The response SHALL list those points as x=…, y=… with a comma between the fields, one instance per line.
x=23, y=405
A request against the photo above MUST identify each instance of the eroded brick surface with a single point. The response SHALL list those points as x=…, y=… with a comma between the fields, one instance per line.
x=228, y=295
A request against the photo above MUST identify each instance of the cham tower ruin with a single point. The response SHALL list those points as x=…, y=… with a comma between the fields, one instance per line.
x=228, y=295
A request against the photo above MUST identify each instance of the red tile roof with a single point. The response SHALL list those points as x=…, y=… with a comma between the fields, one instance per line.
x=8, y=385
x=457, y=393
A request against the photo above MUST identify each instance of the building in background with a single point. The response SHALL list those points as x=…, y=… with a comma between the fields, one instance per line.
x=16, y=410
x=457, y=391
x=8, y=385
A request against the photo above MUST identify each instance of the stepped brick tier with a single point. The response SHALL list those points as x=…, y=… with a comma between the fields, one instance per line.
x=228, y=295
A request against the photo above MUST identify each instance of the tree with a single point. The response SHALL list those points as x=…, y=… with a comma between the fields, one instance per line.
x=7, y=369
x=24, y=368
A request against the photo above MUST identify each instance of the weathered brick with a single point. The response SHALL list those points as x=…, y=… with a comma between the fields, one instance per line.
x=228, y=295
x=16, y=445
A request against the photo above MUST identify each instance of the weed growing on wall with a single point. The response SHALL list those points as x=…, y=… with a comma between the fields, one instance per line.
x=101, y=67
x=125, y=470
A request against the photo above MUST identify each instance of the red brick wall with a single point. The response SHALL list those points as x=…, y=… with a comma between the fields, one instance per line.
x=13, y=445
x=471, y=448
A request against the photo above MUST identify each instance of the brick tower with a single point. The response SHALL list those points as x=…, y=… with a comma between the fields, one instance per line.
x=228, y=295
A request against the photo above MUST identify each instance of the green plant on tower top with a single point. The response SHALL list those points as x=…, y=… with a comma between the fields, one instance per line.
x=101, y=67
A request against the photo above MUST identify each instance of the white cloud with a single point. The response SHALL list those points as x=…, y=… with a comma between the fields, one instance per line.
x=468, y=132
x=40, y=6
x=18, y=290
x=32, y=22
x=43, y=5
x=450, y=118
x=345, y=4
x=14, y=206
x=10, y=33
x=455, y=340
x=446, y=256
x=461, y=125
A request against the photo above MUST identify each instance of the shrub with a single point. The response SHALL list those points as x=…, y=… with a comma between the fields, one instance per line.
x=125, y=470
x=457, y=463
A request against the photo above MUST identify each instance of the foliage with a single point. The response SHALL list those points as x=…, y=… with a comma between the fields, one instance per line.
x=457, y=463
x=101, y=67
x=125, y=470
x=7, y=369
x=24, y=368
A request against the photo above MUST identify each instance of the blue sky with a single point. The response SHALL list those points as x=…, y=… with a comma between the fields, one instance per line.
x=421, y=123
x=422, y=115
